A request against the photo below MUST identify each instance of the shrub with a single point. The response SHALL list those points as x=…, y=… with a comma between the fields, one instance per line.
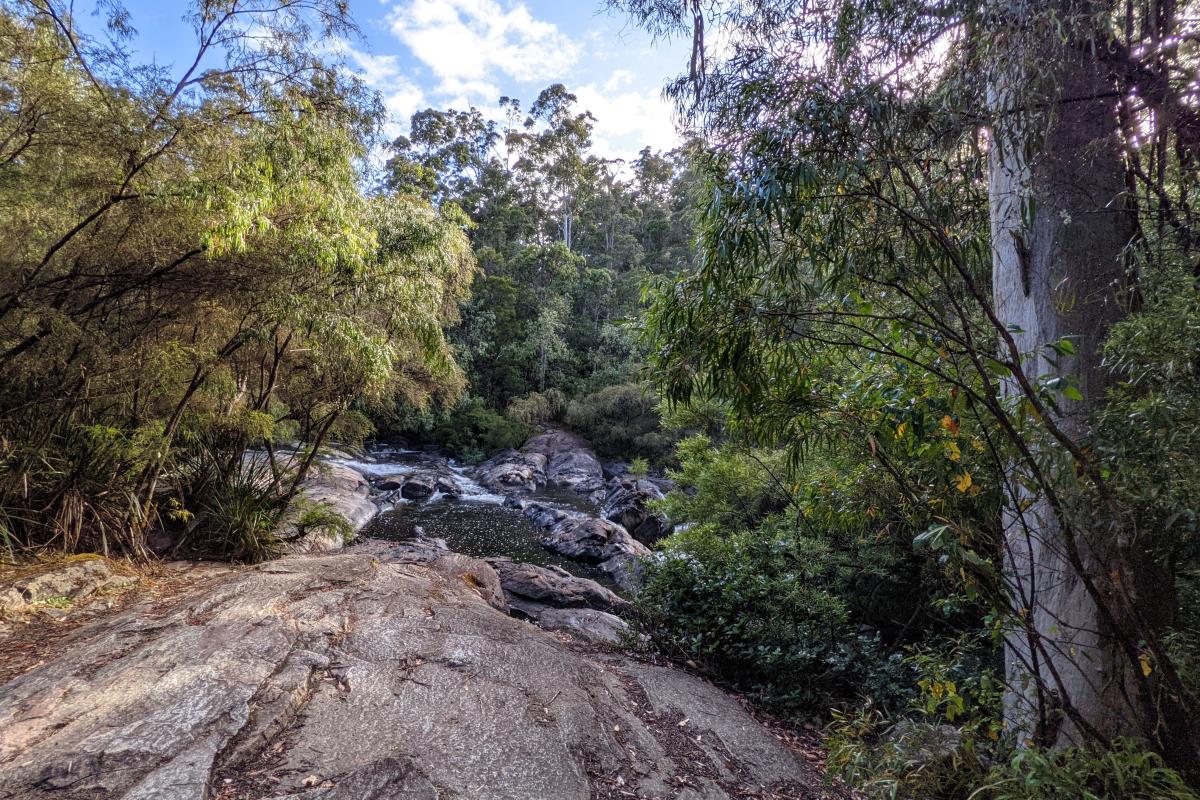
x=735, y=489
x=621, y=421
x=234, y=508
x=1126, y=771
x=639, y=468
x=940, y=749
x=908, y=759
x=536, y=408
x=471, y=430
x=755, y=609
x=320, y=519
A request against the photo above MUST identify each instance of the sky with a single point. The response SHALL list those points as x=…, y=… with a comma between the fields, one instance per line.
x=457, y=53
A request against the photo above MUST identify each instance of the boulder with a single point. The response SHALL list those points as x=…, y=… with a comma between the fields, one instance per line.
x=552, y=586
x=512, y=471
x=344, y=489
x=625, y=570
x=390, y=483
x=592, y=540
x=590, y=625
x=627, y=504
x=418, y=487
x=570, y=463
x=356, y=676
x=923, y=744
x=539, y=514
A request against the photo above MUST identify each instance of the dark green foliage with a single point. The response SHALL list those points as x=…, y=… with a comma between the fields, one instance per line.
x=761, y=610
x=230, y=508
x=798, y=585
x=565, y=239
x=469, y=430
x=621, y=422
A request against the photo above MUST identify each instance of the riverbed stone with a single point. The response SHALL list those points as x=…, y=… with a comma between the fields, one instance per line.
x=553, y=586
x=592, y=540
x=570, y=462
x=343, y=489
x=628, y=504
x=513, y=471
x=418, y=487
x=354, y=676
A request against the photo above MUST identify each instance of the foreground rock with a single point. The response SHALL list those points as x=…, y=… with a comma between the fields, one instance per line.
x=359, y=676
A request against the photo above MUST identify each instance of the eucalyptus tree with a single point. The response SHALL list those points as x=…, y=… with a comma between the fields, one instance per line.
x=956, y=202
x=552, y=156
x=189, y=260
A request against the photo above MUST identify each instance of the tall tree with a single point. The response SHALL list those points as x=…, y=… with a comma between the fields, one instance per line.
x=190, y=263
x=1061, y=224
x=951, y=188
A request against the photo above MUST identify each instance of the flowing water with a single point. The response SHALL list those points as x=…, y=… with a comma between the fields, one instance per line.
x=477, y=523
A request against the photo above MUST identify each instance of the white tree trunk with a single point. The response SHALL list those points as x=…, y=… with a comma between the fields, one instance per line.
x=1059, y=229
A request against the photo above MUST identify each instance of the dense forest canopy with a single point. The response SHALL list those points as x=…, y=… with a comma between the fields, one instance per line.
x=565, y=239
x=908, y=328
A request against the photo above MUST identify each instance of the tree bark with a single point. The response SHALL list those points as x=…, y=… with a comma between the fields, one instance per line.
x=1060, y=226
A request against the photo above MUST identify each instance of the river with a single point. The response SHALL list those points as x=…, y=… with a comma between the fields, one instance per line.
x=476, y=523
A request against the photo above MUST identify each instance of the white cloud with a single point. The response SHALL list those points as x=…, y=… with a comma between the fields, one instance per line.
x=401, y=96
x=627, y=121
x=466, y=42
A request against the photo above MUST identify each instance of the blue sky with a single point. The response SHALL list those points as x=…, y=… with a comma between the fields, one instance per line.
x=455, y=53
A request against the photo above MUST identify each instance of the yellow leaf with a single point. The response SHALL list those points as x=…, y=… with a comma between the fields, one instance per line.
x=900, y=429
x=962, y=482
x=1146, y=668
x=952, y=451
x=949, y=424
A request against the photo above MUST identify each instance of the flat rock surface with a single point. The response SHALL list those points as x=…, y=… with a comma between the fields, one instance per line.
x=359, y=676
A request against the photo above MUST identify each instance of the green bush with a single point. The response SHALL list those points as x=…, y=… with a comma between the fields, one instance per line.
x=756, y=610
x=621, y=422
x=536, y=408
x=471, y=430
x=233, y=509
x=320, y=519
x=940, y=747
x=732, y=487
x=1126, y=771
x=907, y=759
